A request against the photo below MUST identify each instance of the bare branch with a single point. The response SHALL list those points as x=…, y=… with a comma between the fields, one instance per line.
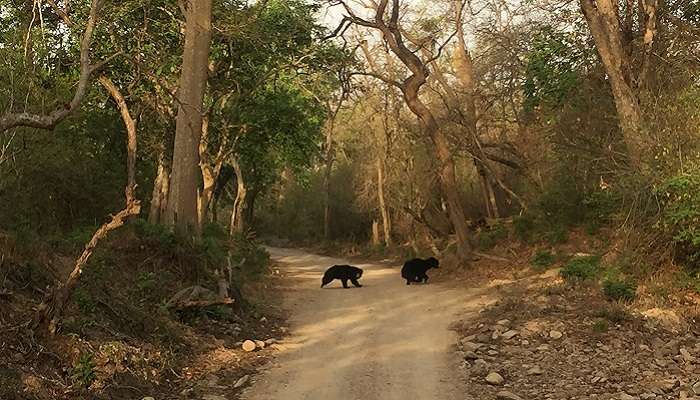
x=49, y=121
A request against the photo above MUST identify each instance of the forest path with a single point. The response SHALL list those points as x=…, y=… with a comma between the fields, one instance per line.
x=384, y=341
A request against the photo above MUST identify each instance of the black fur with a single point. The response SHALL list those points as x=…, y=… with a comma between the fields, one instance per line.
x=415, y=270
x=344, y=273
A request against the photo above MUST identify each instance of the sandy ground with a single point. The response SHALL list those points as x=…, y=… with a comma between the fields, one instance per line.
x=383, y=341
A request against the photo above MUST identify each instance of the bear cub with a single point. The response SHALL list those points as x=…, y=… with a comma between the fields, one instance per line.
x=344, y=273
x=415, y=270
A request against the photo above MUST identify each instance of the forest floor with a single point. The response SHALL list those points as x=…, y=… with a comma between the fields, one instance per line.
x=478, y=337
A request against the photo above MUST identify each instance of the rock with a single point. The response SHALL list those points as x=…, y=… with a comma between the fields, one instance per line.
x=647, y=396
x=664, y=386
x=484, y=338
x=503, y=322
x=260, y=344
x=239, y=383
x=249, y=346
x=470, y=346
x=687, y=356
x=263, y=319
x=625, y=396
x=525, y=342
x=555, y=335
x=671, y=348
x=492, y=353
x=661, y=362
x=510, y=334
x=543, y=347
x=148, y=398
x=213, y=397
x=536, y=370
x=696, y=388
x=495, y=379
x=271, y=341
x=470, y=355
x=506, y=395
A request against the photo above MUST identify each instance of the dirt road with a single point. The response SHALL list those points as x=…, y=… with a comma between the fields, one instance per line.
x=383, y=341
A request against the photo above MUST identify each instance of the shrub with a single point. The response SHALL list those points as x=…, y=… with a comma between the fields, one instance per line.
x=680, y=197
x=84, y=370
x=685, y=280
x=542, y=259
x=581, y=269
x=490, y=237
x=615, y=314
x=83, y=300
x=524, y=227
x=619, y=289
x=601, y=326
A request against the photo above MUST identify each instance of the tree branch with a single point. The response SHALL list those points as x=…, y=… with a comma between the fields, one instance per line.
x=42, y=121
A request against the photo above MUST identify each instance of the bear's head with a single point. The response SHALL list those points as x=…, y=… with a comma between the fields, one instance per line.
x=358, y=273
x=433, y=262
x=326, y=280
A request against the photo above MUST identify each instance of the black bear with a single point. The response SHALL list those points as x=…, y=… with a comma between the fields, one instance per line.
x=344, y=273
x=415, y=270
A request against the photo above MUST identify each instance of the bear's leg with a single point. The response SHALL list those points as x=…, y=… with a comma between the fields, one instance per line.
x=355, y=282
x=408, y=280
x=345, y=283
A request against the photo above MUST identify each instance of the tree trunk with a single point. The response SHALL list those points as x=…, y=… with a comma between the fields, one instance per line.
x=386, y=221
x=237, y=223
x=210, y=170
x=182, y=212
x=327, y=184
x=159, y=198
x=410, y=87
x=375, y=233
x=602, y=19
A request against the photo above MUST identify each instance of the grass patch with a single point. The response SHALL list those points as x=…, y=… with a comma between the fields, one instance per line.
x=581, y=269
x=601, y=326
x=614, y=314
x=492, y=236
x=619, y=289
x=542, y=259
x=84, y=371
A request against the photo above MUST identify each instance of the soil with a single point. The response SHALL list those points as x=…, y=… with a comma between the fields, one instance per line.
x=385, y=340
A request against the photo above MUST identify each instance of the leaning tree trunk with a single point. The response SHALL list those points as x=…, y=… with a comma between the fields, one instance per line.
x=410, y=88
x=50, y=310
x=602, y=19
x=182, y=211
x=237, y=223
x=386, y=221
x=327, y=184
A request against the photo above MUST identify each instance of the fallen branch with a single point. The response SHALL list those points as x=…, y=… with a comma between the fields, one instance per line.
x=490, y=257
x=201, y=304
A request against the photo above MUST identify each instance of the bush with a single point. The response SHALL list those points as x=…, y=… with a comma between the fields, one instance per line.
x=680, y=197
x=615, y=314
x=601, y=326
x=84, y=370
x=581, y=269
x=490, y=237
x=542, y=259
x=619, y=289
x=524, y=227
x=247, y=254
